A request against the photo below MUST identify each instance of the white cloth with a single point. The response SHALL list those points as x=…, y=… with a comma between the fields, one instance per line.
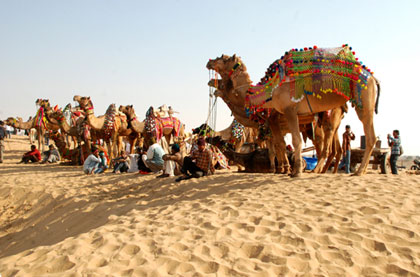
x=133, y=163
x=169, y=167
x=91, y=162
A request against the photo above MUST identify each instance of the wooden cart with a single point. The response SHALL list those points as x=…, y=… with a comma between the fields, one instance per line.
x=380, y=156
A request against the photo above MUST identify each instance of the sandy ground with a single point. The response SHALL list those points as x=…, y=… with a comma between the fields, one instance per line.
x=55, y=221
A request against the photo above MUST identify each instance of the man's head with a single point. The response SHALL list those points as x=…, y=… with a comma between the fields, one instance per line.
x=102, y=153
x=33, y=147
x=396, y=133
x=96, y=152
x=348, y=128
x=1, y=123
x=201, y=143
x=122, y=153
x=175, y=148
x=51, y=146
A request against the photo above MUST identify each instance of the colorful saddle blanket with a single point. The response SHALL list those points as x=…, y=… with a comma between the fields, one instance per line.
x=314, y=71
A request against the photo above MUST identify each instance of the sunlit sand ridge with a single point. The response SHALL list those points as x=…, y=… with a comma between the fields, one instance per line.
x=56, y=221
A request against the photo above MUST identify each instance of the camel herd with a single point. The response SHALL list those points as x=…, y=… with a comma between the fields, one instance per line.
x=315, y=118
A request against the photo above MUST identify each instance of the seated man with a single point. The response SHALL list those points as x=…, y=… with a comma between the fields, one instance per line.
x=153, y=159
x=92, y=163
x=172, y=162
x=199, y=164
x=32, y=156
x=51, y=156
x=122, y=163
x=103, y=165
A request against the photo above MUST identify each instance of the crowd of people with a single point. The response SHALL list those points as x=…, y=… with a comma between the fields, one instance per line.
x=155, y=160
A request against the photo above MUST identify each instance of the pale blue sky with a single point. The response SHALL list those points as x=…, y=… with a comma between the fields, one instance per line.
x=154, y=52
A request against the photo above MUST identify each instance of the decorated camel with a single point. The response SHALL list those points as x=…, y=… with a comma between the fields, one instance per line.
x=76, y=129
x=263, y=120
x=39, y=123
x=51, y=118
x=110, y=127
x=158, y=124
x=306, y=82
x=236, y=134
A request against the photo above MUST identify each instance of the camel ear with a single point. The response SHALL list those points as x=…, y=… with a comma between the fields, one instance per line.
x=88, y=98
x=234, y=57
x=131, y=106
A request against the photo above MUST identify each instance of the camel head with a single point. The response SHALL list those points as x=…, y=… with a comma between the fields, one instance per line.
x=11, y=121
x=225, y=64
x=84, y=102
x=128, y=111
x=44, y=103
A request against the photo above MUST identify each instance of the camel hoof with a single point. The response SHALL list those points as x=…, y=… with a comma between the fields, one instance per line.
x=296, y=175
x=356, y=174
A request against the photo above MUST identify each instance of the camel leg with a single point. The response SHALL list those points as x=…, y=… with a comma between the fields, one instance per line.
x=327, y=142
x=319, y=147
x=365, y=115
x=332, y=154
x=293, y=123
x=279, y=146
x=338, y=153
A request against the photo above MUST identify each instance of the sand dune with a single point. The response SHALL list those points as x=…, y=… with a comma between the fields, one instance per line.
x=55, y=221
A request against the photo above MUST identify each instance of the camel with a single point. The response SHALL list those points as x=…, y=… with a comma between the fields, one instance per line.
x=275, y=121
x=74, y=131
x=236, y=134
x=141, y=127
x=110, y=128
x=256, y=161
x=39, y=123
x=318, y=100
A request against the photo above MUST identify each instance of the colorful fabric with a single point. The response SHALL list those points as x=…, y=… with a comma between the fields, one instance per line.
x=109, y=124
x=314, y=71
x=155, y=125
x=40, y=118
x=237, y=130
x=219, y=157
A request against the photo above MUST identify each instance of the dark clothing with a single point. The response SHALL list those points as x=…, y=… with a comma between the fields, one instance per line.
x=31, y=158
x=3, y=133
x=393, y=161
x=141, y=166
x=121, y=167
x=347, y=137
x=191, y=167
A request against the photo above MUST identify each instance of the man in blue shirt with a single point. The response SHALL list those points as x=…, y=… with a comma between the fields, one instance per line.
x=395, y=143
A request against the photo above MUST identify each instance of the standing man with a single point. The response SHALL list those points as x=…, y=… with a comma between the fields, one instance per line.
x=347, y=137
x=2, y=138
x=395, y=143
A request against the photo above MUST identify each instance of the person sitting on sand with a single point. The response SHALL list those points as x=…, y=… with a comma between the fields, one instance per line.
x=32, y=156
x=199, y=163
x=172, y=162
x=122, y=163
x=142, y=168
x=92, y=162
x=153, y=159
x=51, y=155
x=103, y=164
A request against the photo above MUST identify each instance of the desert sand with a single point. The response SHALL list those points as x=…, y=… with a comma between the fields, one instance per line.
x=56, y=221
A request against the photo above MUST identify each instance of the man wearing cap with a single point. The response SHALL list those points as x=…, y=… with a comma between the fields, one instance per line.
x=199, y=163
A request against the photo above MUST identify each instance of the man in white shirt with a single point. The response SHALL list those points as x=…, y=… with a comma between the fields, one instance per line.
x=153, y=158
x=92, y=162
